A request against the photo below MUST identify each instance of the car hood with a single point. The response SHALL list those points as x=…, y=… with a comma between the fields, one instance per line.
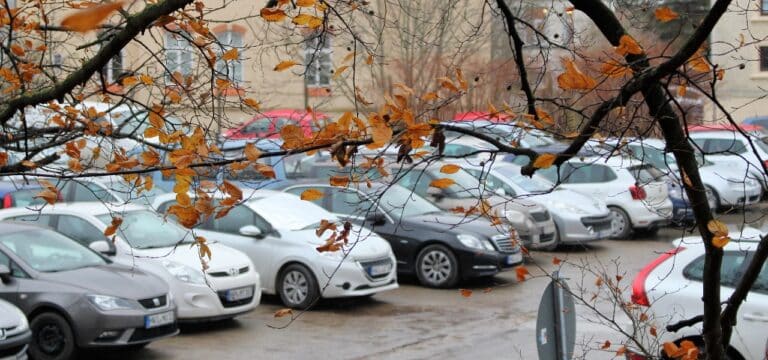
x=570, y=198
x=112, y=280
x=499, y=203
x=222, y=256
x=9, y=315
x=449, y=224
x=367, y=244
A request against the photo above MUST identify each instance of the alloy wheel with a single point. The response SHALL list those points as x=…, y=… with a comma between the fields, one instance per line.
x=436, y=266
x=295, y=287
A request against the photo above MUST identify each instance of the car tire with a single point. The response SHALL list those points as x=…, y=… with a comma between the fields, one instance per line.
x=555, y=244
x=52, y=338
x=713, y=199
x=437, y=267
x=622, y=226
x=297, y=287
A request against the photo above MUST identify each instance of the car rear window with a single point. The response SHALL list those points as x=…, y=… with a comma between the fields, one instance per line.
x=645, y=174
x=23, y=198
x=730, y=272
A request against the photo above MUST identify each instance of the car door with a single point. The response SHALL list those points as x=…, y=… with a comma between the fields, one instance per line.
x=9, y=291
x=78, y=229
x=752, y=320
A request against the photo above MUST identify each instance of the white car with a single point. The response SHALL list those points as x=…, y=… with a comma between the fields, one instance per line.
x=671, y=286
x=14, y=330
x=727, y=186
x=230, y=286
x=635, y=192
x=278, y=231
x=725, y=148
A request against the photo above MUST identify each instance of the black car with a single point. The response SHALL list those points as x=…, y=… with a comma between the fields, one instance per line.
x=440, y=248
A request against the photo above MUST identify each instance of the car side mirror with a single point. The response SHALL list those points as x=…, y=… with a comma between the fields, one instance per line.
x=5, y=274
x=103, y=247
x=500, y=192
x=252, y=231
x=376, y=218
x=435, y=193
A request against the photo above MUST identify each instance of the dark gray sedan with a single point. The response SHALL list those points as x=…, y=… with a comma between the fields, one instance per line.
x=74, y=298
x=14, y=332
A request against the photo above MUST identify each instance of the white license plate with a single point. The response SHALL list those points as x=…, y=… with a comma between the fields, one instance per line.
x=379, y=269
x=151, y=321
x=513, y=259
x=239, y=293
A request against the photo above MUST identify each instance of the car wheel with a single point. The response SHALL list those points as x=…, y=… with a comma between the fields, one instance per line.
x=297, y=287
x=712, y=199
x=52, y=338
x=437, y=267
x=620, y=224
x=555, y=243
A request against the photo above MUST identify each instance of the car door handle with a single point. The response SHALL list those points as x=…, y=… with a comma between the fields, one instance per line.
x=756, y=316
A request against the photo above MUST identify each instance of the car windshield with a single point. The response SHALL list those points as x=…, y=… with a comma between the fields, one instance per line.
x=48, y=251
x=403, y=202
x=129, y=191
x=528, y=184
x=144, y=229
x=286, y=211
x=464, y=184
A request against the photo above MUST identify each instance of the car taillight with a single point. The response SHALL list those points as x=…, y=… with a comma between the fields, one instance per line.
x=639, y=296
x=765, y=162
x=7, y=201
x=638, y=193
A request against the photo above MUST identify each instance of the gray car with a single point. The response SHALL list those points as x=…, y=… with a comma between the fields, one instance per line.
x=75, y=298
x=14, y=332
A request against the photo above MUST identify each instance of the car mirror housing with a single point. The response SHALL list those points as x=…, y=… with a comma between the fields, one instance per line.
x=5, y=274
x=103, y=247
x=252, y=231
x=435, y=193
x=376, y=218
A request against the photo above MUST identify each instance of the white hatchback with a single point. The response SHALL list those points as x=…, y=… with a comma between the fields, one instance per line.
x=278, y=231
x=229, y=286
x=725, y=148
x=671, y=286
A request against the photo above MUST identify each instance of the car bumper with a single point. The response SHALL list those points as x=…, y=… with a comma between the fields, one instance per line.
x=198, y=303
x=681, y=211
x=740, y=195
x=15, y=348
x=352, y=277
x=119, y=327
x=541, y=234
x=476, y=263
x=580, y=229
x=644, y=215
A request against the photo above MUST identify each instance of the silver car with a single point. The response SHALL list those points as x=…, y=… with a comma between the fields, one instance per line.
x=75, y=298
x=14, y=332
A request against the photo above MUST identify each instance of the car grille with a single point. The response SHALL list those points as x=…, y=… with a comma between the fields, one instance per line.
x=229, y=304
x=12, y=351
x=141, y=334
x=239, y=271
x=540, y=216
x=598, y=223
x=371, y=263
x=155, y=302
x=504, y=243
x=546, y=237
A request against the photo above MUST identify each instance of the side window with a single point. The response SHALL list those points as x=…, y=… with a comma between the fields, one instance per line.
x=91, y=192
x=733, y=146
x=549, y=173
x=493, y=182
x=81, y=230
x=645, y=174
x=761, y=284
x=730, y=272
x=602, y=173
x=42, y=220
x=586, y=173
x=101, y=193
x=350, y=203
x=298, y=190
x=16, y=271
x=238, y=217
x=416, y=180
x=258, y=126
x=457, y=150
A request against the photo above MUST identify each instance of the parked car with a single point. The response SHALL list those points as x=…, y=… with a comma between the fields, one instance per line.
x=278, y=232
x=269, y=123
x=229, y=286
x=671, y=288
x=760, y=121
x=112, y=189
x=579, y=218
x=440, y=248
x=75, y=298
x=14, y=329
x=725, y=147
x=508, y=132
x=635, y=192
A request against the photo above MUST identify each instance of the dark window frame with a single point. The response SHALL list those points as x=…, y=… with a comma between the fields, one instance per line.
x=763, y=54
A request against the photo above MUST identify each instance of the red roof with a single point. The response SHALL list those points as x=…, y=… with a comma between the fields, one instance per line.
x=480, y=115
x=720, y=127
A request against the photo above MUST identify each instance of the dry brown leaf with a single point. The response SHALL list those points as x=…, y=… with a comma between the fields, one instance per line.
x=628, y=45
x=465, y=292
x=90, y=18
x=311, y=195
x=665, y=14
x=544, y=161
x=283, y=312
x=450, y=169
x=284, y=65
x=442, y=183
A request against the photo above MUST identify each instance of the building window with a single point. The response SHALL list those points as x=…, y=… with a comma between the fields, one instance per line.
x=317, y=56
x=11, y=4
x=764, y=7
x=114, y=68
x=233, y=69
x=764, y=58
x=179, y=55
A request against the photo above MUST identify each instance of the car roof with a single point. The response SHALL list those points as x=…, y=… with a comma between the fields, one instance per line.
x=300, y=113
x=7, y=226
x=745, y=239
x=87, y=207
x=11, y=186
x=479, y=115
x=723, y=127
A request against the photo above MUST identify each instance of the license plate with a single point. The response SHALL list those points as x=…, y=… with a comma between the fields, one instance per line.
x=240, y=293
x=513, y=259
x=379, y=269
x=151, y=321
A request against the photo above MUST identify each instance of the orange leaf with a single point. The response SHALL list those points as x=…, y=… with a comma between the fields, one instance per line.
x=599, y=281
x=717, y=227
x=48, y=195
x=429, y=96
x=450, y=169
x=665, y=14
x=652, y=331
x=719, y=241
x=672, y=350
x=447, y=84
x=465, y=292
x=283, y=312
x=325, y=225
x=230, y=55
x=720, y=74
x=272, y=14
x=614, y=69
x=284, y=65
x=682, y=90
x=252, y=153
x=311, y=195
x=129, y=80
x=628, y=45
x=556, y=261
x=621, y=350
x=605, y=345
x=699, y=63
x=544, y=161
x=17, y=50
x=29, y=164
x=90, y=18
x=574, y=79
x=442, y=183
x=253, y=104
x=308, y=20
x=339, y=180
x=305, y=3
x=521, y=272
x=112, y=228
x=3, y=158
x=146, y=79
x=340, y=70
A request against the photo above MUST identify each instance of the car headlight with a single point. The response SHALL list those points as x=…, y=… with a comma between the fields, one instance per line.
x=472, y=241
x=184, y=273
x=515, y=217
x=23, y=324
x=107, y=303
x=567, y=207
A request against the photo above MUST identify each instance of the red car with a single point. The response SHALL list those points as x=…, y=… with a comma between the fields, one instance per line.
x=480, y=115
x=267, y=125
